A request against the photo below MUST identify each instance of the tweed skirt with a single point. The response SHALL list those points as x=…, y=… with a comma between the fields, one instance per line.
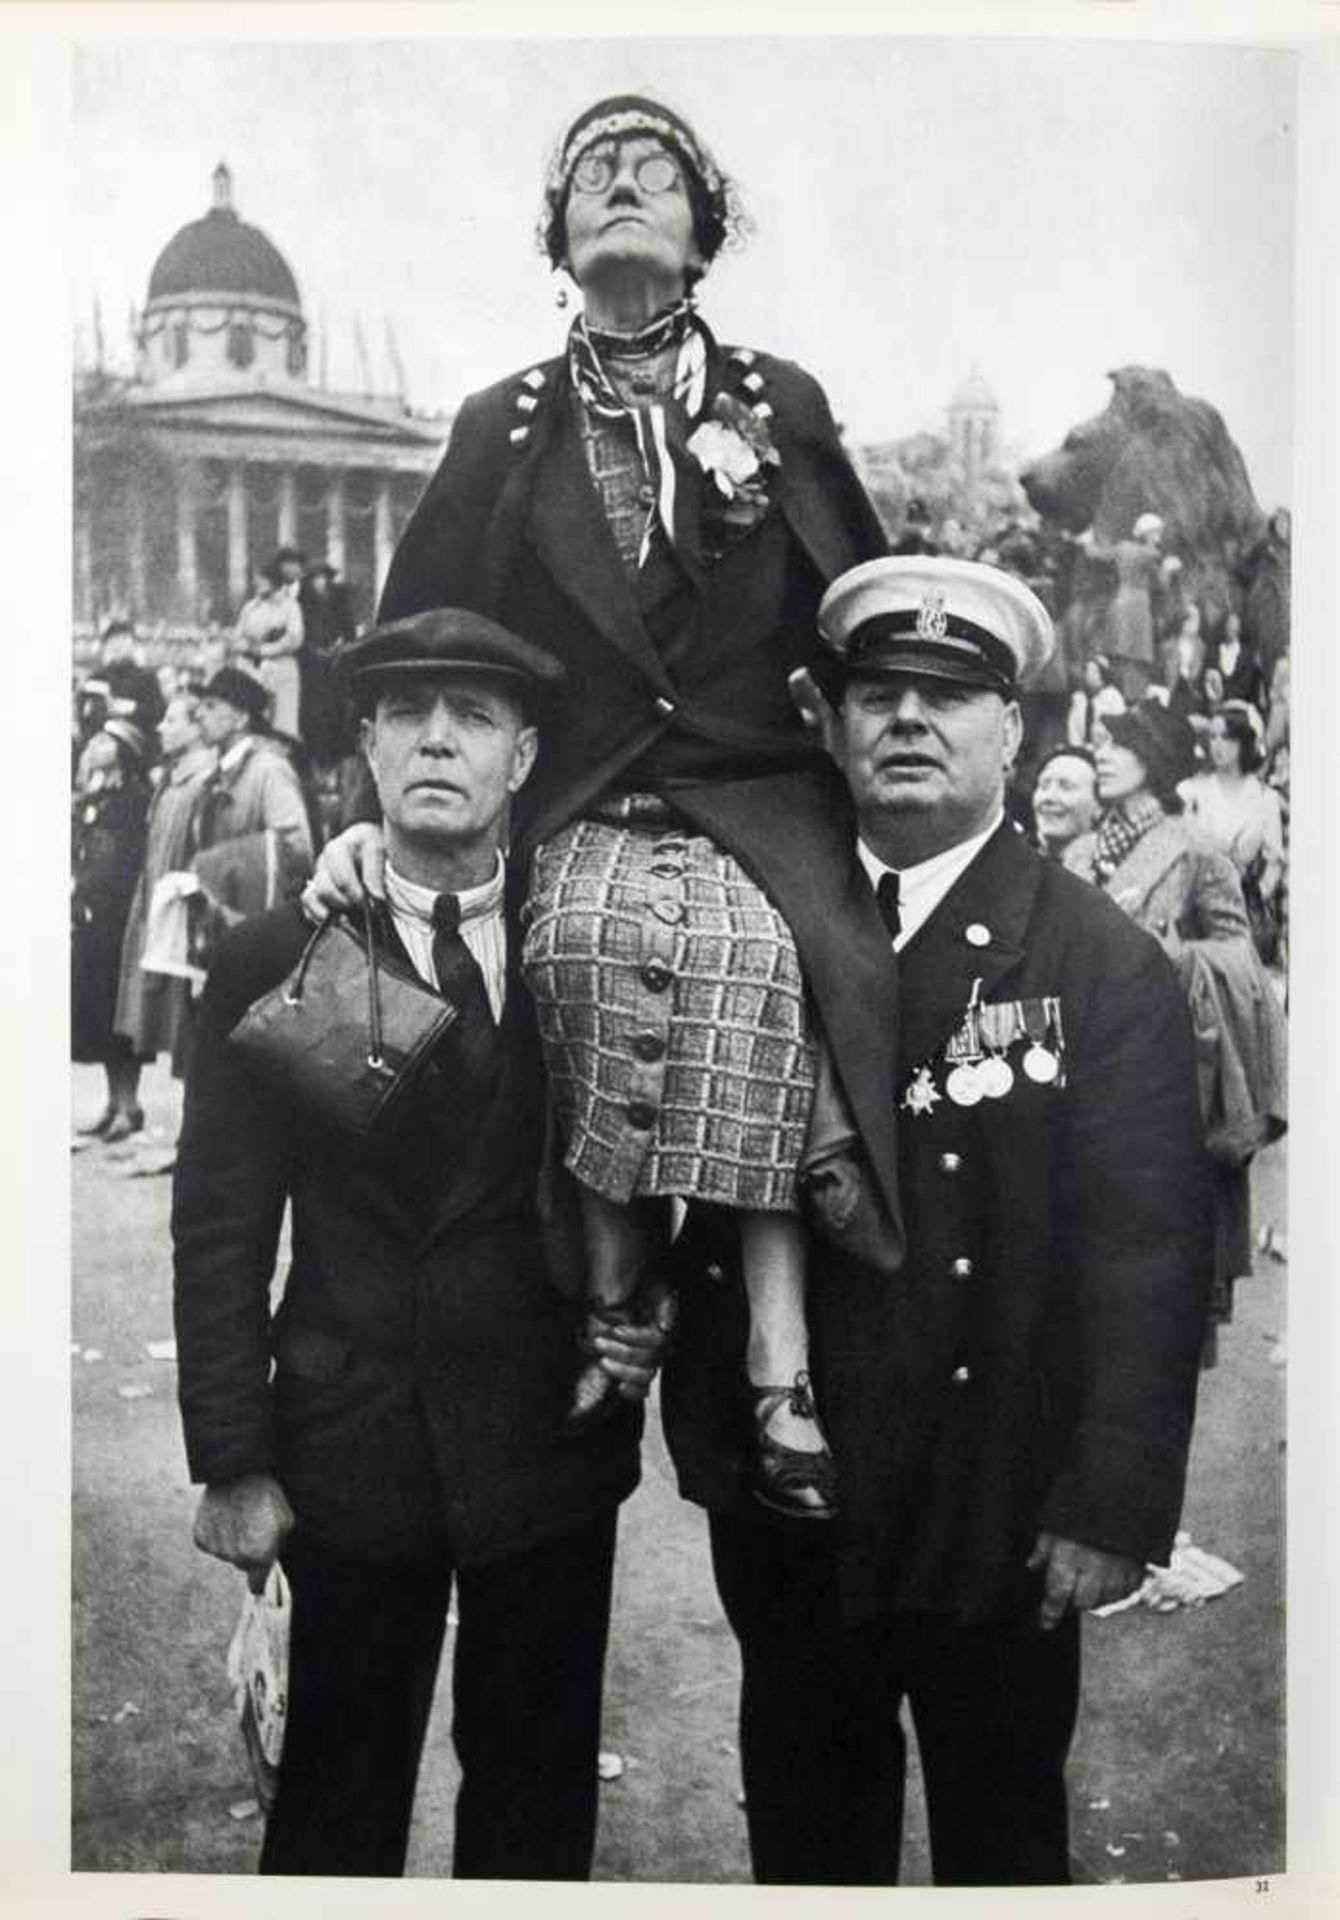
x=679, y=1045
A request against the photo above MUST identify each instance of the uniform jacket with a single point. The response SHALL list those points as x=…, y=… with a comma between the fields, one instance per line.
x=1034, y=1364
x=693, y=667
x=422, y=1357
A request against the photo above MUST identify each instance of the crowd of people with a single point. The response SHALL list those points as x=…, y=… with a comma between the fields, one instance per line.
x=201, y=791
x=751, y=1008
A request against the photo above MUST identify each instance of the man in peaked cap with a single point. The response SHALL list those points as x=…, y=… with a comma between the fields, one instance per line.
x=412, y=1434
x=1010, y=1414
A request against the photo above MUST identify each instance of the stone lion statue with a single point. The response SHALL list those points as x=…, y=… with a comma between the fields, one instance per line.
x=1154, y=451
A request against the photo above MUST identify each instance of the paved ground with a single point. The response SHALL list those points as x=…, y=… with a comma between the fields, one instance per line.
x=1177, y=1770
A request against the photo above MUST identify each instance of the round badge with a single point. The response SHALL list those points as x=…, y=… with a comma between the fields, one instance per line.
x=964, y=1086
x=977, y=935
x=1041, y=1065
x=996, y=1076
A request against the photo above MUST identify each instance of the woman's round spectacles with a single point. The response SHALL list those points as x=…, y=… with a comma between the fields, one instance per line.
x=654, y=172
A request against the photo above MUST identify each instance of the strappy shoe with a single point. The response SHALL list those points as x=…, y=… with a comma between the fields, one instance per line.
x=799, y=1485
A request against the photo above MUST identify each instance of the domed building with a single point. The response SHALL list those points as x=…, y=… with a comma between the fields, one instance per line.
x=221, y=449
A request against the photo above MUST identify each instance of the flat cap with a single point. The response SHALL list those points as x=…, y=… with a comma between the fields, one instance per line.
x=948, y=619
x=447, y=640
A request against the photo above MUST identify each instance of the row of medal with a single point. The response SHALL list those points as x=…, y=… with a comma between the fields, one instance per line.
x=976, y=1056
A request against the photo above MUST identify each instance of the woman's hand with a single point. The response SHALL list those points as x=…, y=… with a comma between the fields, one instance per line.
x=348, y=872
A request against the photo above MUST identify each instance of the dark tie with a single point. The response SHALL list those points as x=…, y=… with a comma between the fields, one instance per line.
x=459, y=977
x=886, y=894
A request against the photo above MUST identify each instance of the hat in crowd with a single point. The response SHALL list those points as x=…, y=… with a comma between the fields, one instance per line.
x=287, y=556
x=132, y=738
x=446, y=640
x=241, y=690
x=1160, y=738
x=1247, y=712
x=944, y=619
x=1147, y=523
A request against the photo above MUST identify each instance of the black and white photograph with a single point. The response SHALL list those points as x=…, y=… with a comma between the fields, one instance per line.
x=677, y=652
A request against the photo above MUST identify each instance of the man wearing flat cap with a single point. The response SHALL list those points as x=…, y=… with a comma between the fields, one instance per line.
x=1009, y=1414
x=412, y=1432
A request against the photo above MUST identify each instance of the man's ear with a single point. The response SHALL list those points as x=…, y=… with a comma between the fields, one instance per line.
x=366, y=741
x=1013, y=728
x=813, y=706
x=523, y=758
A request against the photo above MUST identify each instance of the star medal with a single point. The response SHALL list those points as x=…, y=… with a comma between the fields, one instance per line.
x=963, y=1083
x=1039, y=1062
x=999, y=1027
x=922, y=1093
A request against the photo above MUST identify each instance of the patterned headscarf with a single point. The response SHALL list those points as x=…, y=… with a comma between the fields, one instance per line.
x=1121, y=829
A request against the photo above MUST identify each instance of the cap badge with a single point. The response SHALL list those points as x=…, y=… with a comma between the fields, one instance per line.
x=932, y=620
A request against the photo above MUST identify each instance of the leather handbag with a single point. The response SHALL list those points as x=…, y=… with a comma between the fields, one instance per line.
x=346, y=1034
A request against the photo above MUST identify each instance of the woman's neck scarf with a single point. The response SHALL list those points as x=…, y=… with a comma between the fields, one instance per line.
x=1121, y=828
x=682, y=327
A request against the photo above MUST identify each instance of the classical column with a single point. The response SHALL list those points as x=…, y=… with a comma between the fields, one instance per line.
x=383, y=534
x=239, y=575
x=288, y=508
x=84, y=609
x=188, y=574
x=137, y=544
x=335, y=531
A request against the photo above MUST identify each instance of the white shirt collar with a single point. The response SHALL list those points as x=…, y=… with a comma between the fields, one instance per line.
x=922, y=886
x=408, y=897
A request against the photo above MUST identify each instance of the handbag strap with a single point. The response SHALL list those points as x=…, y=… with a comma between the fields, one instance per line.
x=293, y=995
x=375, y=1058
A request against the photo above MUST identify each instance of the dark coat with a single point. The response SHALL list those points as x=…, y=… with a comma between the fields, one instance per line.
x=680, y=687
x=107, y=849
x=423, y=1358
x=1034, y=1365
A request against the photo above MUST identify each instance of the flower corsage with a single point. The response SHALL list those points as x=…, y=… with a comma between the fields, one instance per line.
x=735, y=451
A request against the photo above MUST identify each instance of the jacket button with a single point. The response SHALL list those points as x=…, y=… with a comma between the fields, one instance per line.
x=664, y=707
x=961, y=1268
x=714, y=1272
x=961, y=1376
x=649, y=1046
x=656, y=976
x=642, y=1115
x=950, y=1162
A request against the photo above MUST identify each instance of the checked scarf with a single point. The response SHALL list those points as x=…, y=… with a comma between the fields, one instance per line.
x=1121, y=828
x=680, y=325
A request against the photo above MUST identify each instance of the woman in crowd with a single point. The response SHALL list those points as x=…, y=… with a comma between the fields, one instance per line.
x=1161, y=869
x=1140, y=565
x=270, y=633
x=153, y=1008
x=107, y=845
x=1241, y=816
x=665, y=513
x=1065, y=798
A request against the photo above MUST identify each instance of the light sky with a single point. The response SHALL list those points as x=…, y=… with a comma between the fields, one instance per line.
x=1042, y=211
